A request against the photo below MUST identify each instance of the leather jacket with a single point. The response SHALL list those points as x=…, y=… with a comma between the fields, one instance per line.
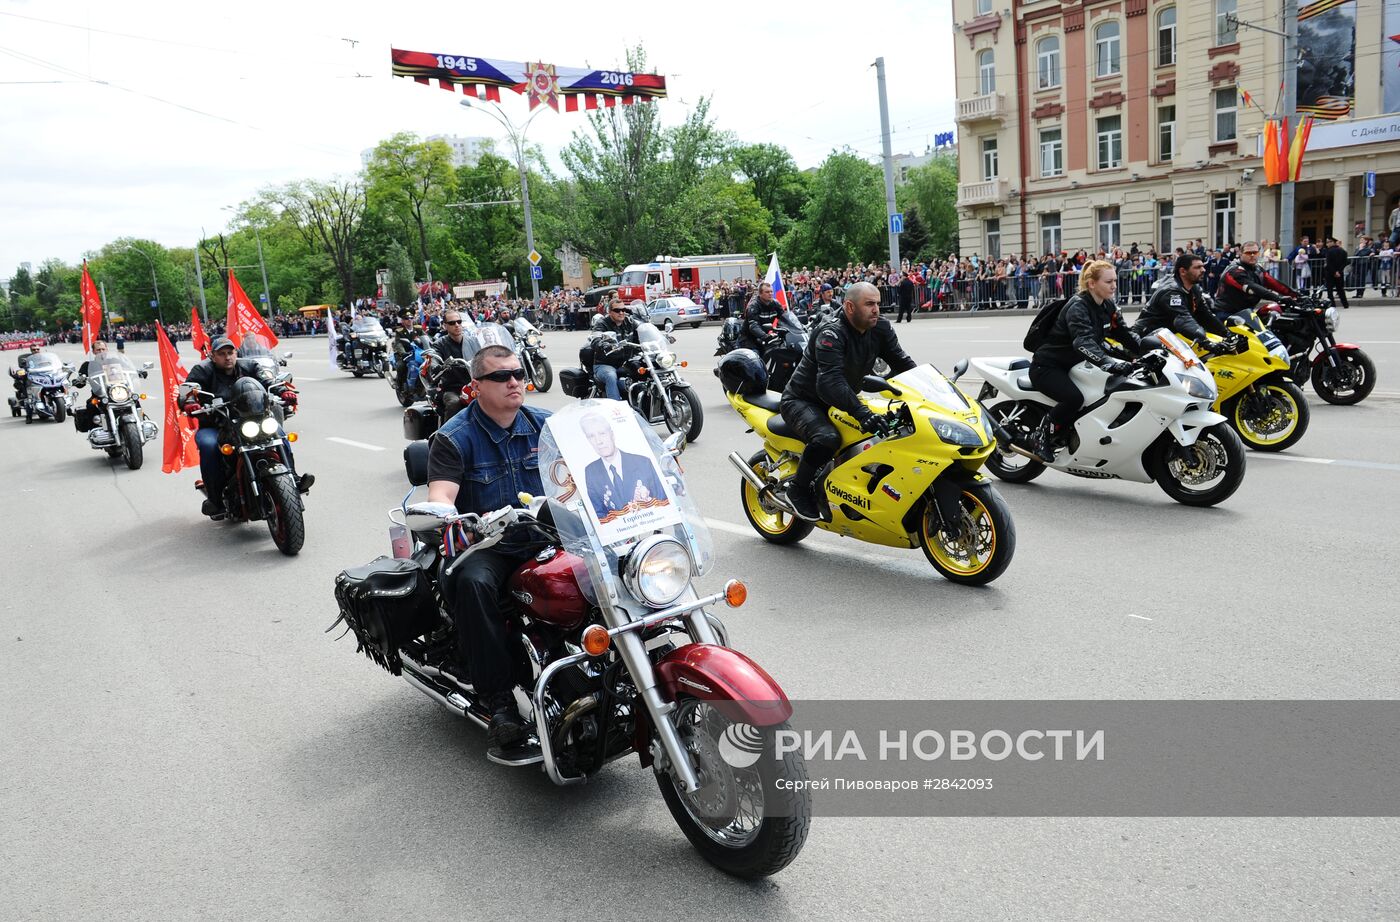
x=1079, y=332
x=1181, y=311
x=1243, y=286
x=758, y=324
x=837, y=357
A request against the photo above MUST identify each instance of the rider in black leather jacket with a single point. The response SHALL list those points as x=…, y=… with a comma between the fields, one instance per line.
x=757, y=332
x=1243, y=285
x=1181, y=306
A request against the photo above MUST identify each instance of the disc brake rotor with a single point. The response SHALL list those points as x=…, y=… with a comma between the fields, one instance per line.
x=717, y=799
x=1203, y=464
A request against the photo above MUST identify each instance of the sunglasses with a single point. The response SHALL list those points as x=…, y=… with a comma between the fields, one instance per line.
x=504, y=375
x=452, y=323
x=617, y=310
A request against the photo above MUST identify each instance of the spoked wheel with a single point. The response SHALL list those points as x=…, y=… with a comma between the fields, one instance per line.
x=1352, y=383
x=1204, y=474
x=744, y=819
x=1021, y=420
x=975, y=550
x=543, y=374
x=775, y=525
x=683, y=412
x=1271, y=418
x=131, y=444
x=283, y=513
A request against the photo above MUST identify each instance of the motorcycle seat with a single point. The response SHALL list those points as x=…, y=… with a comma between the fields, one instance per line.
x=1024, y=383
x=768, y=400
x=1018, y=364
x=779, y=426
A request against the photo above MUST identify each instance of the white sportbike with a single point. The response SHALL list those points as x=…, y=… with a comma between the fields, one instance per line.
x=1154, y=423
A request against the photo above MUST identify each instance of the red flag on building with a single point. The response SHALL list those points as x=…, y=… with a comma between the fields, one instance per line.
x=92, y=309
x=198, y=337
x=180, y=450
x=244, y=318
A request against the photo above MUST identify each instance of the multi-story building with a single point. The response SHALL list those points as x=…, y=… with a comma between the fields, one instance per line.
x=465, y=151
x=1094, y=123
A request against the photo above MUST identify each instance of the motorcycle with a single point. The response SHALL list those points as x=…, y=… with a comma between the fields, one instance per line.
x=919, y=486
x=1340, y=372
x=113, y=418
x=366, y=347
x=649, y=380
x=270, y=369
x=615, y=652
x=407, y=363
x=448, y=382
x=530, y=349
x=781, y=358
x=261, y=484
x=1153, y=424
x=1256, y=394
x=44, y=389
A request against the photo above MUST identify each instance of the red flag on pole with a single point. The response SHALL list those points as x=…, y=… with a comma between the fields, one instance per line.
x=1270, y=153
x=198, y=337
x=179, y=447
x=92, y=309
x=244, y=318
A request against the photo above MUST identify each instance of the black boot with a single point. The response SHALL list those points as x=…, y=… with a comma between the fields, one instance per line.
x=505, y=730
x=1042, y=442
x=304, y=482
x=803, y=500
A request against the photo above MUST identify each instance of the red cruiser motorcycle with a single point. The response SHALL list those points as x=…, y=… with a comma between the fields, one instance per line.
x=616, y=653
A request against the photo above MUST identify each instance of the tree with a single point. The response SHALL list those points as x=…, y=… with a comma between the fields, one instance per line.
x=913, y=243
x=410, y=177
x=327, y=214
x=844, y=218
x=932, y=189
x=401, y=288
x=777, y=183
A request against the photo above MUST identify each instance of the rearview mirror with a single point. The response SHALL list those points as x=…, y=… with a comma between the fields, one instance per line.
x=674, y=443
x=148, y=365
x=286, y=355
x=877, y=384
x=959, y=369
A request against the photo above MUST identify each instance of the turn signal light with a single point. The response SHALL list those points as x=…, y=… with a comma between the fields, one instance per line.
x=596, y=640
x=642, y=370
x=735, y=593
x=530, y=386
x=685, y=364
x=143, y=397
x=225, y=449
x=291, y=436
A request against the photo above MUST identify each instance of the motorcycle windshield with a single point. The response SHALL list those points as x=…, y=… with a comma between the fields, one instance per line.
x=652, y=339
x=610, y=486
x=45, y=362
x=251, y=348
x=369, y=327
x=492, y=334
x=108, y=370
x=929, y=383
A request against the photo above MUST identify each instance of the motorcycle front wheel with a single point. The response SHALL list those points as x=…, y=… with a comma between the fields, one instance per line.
x=405, y=397
x=131, y=444
x=746, y=821
x=683, y=412
x=979, y=548
x=1272, y=418
x=283, y=514
x=60, y=410
x=1203, y=474
x=1351, y=384
x=542, y=373
x=775, y=525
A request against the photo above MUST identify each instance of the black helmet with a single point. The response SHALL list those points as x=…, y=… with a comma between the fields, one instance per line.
x=249, y=397
x=742, y=371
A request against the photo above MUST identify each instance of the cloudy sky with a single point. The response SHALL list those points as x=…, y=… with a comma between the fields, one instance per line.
x=150, y=119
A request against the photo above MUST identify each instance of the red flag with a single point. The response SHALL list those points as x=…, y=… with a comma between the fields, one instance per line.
x=243, y=318
x=198, y=337
x=92, y=309
x=1270, y=153
x=180, y=450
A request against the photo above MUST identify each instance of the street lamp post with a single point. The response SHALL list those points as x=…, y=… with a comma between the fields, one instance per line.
x=517, y=139
x=155, y=286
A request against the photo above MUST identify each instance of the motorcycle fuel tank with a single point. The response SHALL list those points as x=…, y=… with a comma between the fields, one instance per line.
x=546, y=590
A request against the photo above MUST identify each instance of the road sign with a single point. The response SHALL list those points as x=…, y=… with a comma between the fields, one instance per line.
x=263, y=296
x=897, y=223
x=154, y=303
x=535, y=258
x=1370, y=185
x=536, y=272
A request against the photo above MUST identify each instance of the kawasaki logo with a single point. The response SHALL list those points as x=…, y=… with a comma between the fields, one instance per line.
x=861, y=501
x=1224, y=373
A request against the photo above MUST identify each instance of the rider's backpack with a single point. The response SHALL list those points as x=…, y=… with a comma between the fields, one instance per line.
x=1039, y=330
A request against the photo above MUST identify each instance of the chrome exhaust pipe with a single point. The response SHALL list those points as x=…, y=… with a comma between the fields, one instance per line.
x=1023, y=452
x=761, y=487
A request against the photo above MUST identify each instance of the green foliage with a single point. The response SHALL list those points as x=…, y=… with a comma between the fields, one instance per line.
x=775, y=180
x=843, y=220
x=932, y=190
x=411, y=180
x=401, y=288
x=914, y=242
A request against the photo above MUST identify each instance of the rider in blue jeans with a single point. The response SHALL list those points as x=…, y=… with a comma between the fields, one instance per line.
x=606, y=363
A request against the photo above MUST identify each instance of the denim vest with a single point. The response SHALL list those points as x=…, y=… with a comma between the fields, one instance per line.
x=498, y=464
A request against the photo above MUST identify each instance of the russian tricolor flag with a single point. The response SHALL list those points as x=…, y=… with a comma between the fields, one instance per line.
x=775, y=278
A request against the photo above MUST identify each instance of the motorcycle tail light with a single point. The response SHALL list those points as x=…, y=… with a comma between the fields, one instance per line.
x=735, y=593
x=596, y=640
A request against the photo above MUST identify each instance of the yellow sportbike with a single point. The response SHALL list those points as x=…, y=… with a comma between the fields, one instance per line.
x=1262, y=404
x=919, y=486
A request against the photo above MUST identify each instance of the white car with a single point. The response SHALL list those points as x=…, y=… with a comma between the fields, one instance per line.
x=668, y=313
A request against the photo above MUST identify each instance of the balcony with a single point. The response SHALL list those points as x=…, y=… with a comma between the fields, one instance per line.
x=991, y=107
x=987, y=192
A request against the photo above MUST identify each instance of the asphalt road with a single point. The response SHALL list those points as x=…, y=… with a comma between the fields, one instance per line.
x=179, y=739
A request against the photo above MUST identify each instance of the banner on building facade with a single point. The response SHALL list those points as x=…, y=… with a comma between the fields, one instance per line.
x=1327, y=59
x=1390, y=57
x=546, y=84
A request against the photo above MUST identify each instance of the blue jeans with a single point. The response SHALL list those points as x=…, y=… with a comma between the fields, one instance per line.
x=211, y=463
x=606, y=375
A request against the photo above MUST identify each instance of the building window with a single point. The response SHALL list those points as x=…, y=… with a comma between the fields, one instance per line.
x=1050, y=240
x=1166, y=133
x=986, y=72
x=989, y=158
x=1224, y=28
x=1225, y=115
x=1047, y=62
x=1052, y=152
x=1165, y=227
x=1166, y=37
x=1108, y=223
x=984, y=7
x=994, y=238
x=1110, y=136
x=1223, y=211
x=1106, y=50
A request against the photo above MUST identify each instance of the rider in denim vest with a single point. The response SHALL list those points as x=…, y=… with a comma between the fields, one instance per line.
x=481, y=460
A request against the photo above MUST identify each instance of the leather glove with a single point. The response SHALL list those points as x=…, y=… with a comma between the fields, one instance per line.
x=191, y=406
x=1118, y=367
x=874, y=424
x=1218, y=347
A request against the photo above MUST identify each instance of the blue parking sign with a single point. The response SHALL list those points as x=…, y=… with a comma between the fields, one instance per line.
x=536, y=272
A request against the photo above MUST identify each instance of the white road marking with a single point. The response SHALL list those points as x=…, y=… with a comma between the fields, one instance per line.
x=354, y=444
x=305, y=378
x=1339, y=462
x=1140, y=617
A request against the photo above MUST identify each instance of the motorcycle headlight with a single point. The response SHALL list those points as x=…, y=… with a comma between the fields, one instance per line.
x=955, y=433
x=658, y=571
x=1196, y=387
x=268, y=426
x=1332, y=319
x=666, y=360
x=532, y=339
x=250, y=428
x=118, y=393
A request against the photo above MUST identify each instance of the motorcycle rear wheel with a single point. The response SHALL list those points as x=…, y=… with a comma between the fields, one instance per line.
x=1360, y=367
x=984, y=546
x=776, y=527
x=753, y=842
x=1217, y=451
x=1272, y=419
x=1007, y=465
x=284, y=519
x=132, y=448
x=405, y=397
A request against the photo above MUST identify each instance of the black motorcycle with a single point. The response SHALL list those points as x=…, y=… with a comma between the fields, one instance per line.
x=365, y=350
x=530, y=349
x=261, y=482
x=781, y=357
x=112, y=417
x=1340, y=372
x=648, y=379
